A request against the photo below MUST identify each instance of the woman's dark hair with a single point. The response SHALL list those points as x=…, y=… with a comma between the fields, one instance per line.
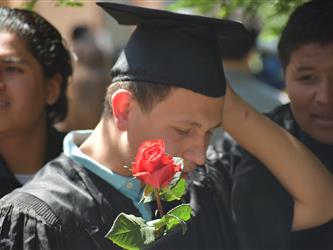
x=312, y=22
x=47, y=46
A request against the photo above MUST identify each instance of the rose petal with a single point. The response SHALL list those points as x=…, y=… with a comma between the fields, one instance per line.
x=149, y=156
x=159, y=178
x=153, y=166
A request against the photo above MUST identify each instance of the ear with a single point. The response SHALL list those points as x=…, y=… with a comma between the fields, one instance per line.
x=53, y=89
x=121, y=102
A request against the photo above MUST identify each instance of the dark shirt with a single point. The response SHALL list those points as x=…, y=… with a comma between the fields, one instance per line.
x=262, y=208
x=66, y=206
x=8, y=182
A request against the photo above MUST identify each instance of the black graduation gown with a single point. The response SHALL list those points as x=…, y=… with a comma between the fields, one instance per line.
x=68, y=207
x=63, y=207
x=8, y=182
x=263, y=209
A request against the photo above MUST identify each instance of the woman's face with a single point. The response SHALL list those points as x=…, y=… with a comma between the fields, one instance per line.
x=309, y=79
x=24, y=92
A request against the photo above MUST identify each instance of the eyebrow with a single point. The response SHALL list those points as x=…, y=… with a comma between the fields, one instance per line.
x=303, y=68
x=198, y=125
x=191, y=123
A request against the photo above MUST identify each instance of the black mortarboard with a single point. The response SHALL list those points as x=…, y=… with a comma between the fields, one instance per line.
x=174, y=49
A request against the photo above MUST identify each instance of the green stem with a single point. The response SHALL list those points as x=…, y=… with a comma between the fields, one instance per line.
x=159, y=204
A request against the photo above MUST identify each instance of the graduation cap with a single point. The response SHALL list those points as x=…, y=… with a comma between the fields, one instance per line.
x=174, y=49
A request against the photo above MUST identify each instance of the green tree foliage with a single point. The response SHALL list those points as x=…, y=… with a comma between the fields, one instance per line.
x=272, y=13
x=70, y=3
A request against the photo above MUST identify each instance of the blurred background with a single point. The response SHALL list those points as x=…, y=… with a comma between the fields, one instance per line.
x=270, y=16
x=96, y=40
x=67, y=15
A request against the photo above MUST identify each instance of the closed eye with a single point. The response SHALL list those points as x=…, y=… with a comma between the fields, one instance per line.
x=182, y=131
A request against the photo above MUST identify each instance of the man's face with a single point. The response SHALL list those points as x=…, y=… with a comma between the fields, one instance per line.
x=22, y=87
x=309, y=79
x=184, y=120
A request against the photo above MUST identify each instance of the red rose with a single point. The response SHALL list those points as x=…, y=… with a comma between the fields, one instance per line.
x=153, y=166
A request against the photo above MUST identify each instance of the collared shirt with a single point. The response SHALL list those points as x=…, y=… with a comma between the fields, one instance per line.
x=128, y=186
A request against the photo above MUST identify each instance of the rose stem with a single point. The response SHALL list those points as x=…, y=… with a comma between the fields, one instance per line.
x=159, y=204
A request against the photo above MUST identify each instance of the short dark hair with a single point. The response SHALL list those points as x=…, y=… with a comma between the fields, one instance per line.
x=311, y=22
x=146, y=94
x=47, y=46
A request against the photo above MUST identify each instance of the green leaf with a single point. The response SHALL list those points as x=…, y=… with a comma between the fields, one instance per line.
x=159, y=225
x=175, y=192
x=131, y=232
x=172, y=221
x=182, y=211
x=179, y=189
x=167, y=195
x=147, y=195
x=178, y=216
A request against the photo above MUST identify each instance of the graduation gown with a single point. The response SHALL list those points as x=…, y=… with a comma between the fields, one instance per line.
x=63, y=207
x=8, y=182
x=262, y=208
x=66, y=206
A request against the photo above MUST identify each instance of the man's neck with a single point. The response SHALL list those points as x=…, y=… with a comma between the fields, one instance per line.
x=103, y=145
x=24, y=152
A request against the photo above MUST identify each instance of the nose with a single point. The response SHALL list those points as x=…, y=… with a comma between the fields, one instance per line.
x=196, y=153
x=324, y=93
